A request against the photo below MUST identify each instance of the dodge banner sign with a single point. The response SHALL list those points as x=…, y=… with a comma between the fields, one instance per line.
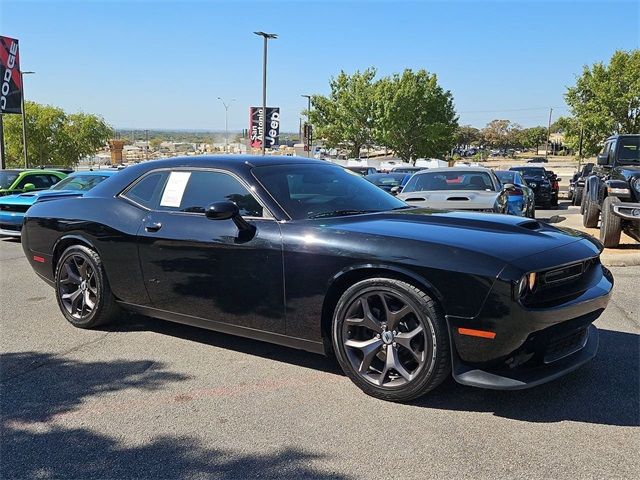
x=256, y=124
x=11, y=86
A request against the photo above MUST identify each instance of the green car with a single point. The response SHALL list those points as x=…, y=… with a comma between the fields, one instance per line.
x=19, y=181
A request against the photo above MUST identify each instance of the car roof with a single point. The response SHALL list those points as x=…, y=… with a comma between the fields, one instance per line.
x=94, y=172
x=619, y=135
x=455, y=169
x=231, y=161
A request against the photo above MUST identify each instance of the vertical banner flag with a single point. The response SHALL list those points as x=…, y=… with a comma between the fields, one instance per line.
x=10, y=80
x=256, y=124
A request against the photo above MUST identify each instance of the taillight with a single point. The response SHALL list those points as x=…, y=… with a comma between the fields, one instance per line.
x=516, y=191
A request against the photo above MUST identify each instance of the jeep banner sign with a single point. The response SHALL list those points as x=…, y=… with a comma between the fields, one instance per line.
x=256, y=123
x=10, y=80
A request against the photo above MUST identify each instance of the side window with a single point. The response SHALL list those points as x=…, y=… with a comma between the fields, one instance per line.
x=612, y=151
x=39, y=181
x=146, y=192
x=193, y=191
x=53, y=179
x=605, y=150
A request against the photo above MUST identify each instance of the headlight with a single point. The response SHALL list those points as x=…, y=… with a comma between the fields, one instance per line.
x=527, y=283
x=636, y=184
x=533, y=185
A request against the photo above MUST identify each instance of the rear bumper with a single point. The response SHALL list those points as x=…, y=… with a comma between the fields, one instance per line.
x=531, y=346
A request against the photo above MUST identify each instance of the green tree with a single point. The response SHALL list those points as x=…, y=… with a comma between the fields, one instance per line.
x=532, y=137
x=605, y=100
x=345, y=117
x=501, y=134
x=415, y=116
x=467, y=135
x=54, y=137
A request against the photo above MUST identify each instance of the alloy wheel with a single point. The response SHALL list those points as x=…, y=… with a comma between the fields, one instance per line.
x=384, y=340
x=77, y=286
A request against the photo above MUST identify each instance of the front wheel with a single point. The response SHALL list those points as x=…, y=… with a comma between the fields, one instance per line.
x=611, y=226
x=82, y=289
x=590, y=214
x=391, y=339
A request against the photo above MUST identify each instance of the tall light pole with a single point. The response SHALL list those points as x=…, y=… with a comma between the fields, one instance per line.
x=267, y=37
x=308, y=97
x=226, y=120
x=546, y=149
x=24, y=119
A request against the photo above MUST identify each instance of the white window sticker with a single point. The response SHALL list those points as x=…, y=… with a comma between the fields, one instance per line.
x=172, y=195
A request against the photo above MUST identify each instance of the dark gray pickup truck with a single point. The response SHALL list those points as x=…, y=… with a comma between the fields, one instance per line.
x=613, y=189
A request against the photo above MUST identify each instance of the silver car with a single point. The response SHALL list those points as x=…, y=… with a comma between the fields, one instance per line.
x=457, y=188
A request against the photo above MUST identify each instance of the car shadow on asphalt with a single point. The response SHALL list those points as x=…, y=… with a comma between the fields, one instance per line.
x=43, y=415
x=606, y=391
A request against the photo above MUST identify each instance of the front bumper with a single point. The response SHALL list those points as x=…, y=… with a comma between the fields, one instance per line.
x=11, y=223
x=627, y=210
x=535, y=342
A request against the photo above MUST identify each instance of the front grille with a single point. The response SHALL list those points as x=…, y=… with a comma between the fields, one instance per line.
x=563, y=274
x=564, y=346
x=14, y=208
x=11, y=227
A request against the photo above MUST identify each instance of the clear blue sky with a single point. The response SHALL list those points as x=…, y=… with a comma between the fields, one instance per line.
x=163, y=64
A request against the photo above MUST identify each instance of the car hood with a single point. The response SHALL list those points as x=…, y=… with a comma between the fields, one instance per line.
x=630, y=171
x=451, y=199
x=30, y=198
x=504, y=237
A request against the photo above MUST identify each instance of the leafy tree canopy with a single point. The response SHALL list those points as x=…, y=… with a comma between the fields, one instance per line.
x=604, y=101
x=53, y=136
x=415, y=116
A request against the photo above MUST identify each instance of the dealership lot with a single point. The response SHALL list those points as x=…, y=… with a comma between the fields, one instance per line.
x=146, y=398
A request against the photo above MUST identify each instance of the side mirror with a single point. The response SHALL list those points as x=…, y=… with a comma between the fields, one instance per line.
x=227, y=211
x=509, y=187
x=603, y=160
x=28, y=187
x=396, y=190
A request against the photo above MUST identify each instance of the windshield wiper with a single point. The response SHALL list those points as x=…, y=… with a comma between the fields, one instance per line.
x=341, y=213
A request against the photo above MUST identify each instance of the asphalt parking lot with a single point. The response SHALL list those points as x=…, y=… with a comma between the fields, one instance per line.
x=150, y=399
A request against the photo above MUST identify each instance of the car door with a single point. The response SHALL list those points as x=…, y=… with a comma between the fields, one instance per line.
x=40, y=181
x=204, y=268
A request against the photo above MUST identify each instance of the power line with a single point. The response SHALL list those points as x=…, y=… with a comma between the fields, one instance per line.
x=513, y=110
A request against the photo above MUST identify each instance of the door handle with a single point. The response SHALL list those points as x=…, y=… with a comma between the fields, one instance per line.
x=153, y=227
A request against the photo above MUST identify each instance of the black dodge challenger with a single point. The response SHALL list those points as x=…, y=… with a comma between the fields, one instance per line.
x=306, y=254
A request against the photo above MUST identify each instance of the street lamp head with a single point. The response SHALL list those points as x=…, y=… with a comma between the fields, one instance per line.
x=306, y=96
x=267, y=35
x=27, y=73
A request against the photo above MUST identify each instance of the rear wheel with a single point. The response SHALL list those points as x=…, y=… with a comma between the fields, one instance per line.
x=590, y=213
x=391, y=339
x=611, y=226
x=82, y=289
x=577, y=196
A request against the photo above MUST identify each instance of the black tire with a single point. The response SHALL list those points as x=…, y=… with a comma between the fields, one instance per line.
x=590, y=214
x=570, y=194
x=577, y=196
x=611, y=226
x=94, y=289
x=532, y=211
x=554, y=201
x=430, y=356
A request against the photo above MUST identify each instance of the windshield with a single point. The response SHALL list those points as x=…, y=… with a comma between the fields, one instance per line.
x=81, y=183
x=531, y=171
x=315, y=190
x=507, y=177
x=391, y=180
x=629, y=149
x=453, y=180
x=7, y=178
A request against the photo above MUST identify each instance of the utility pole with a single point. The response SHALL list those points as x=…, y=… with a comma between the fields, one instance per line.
x=226, y=121
x=3, y=163
x=546, y=149
x=24, y=120
x=308, y=97
x=267, y=37
x=146, y=140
